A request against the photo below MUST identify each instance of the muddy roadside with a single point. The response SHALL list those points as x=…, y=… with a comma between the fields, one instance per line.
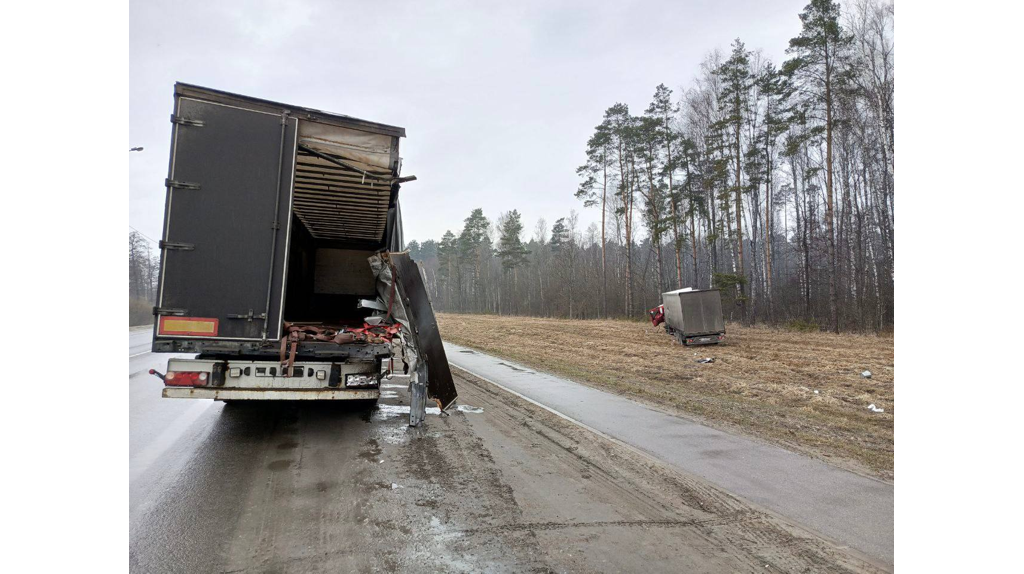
x=508, y=486
x=803, y=391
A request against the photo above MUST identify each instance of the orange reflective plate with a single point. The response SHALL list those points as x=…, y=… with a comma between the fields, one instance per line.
x=195, y=326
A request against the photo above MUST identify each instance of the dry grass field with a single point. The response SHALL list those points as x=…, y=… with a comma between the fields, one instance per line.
x=801, y=390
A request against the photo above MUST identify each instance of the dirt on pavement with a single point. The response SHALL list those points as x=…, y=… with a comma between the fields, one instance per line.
x=582, y=503
x=499, y=486
x=804, y=391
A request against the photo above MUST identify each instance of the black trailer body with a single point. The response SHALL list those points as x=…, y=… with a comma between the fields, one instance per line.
x=694, y=317
x=225, y=224
x=271, y=213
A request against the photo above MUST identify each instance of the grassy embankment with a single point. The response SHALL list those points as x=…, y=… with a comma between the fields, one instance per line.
x=801, y=390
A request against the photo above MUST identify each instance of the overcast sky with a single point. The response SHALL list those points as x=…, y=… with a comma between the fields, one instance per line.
x=497, y=98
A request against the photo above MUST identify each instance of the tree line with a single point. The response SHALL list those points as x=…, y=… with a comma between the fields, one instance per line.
x=773, y=183
x=143, y=273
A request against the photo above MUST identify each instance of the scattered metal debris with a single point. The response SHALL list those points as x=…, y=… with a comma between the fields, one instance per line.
x=875, y=409
x=866, y=374
x=707, y=360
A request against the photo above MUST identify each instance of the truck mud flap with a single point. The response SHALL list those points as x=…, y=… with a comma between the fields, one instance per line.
x=423, y=325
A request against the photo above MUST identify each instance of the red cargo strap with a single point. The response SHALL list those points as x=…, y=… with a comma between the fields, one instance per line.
x=338, y=335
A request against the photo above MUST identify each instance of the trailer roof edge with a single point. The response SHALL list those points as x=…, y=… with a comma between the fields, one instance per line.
x=312, y=114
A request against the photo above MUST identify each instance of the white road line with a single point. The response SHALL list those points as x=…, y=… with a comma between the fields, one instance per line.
x=558, y=414
x=139, y=354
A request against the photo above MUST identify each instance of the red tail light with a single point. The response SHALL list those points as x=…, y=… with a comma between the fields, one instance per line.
x=186, y=379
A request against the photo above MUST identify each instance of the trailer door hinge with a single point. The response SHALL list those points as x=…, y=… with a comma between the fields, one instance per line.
x=180, y=184
x=168, y=311
x=186, y=122
x=172, y=245
x=248, y=316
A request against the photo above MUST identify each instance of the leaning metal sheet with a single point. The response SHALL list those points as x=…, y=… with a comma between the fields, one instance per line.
x=424, y=329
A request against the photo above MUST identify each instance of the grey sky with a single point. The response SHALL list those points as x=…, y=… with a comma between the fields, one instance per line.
x=498, y=98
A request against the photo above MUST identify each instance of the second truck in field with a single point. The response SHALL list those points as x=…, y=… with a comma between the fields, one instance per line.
x=692, y=316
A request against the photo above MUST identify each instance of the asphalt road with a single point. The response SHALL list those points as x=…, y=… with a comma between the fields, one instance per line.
x=852, y=509
x=500, y=485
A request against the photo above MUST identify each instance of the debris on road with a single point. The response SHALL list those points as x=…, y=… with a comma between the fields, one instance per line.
x=707, y=360
x=866, y=374
x=875, y=409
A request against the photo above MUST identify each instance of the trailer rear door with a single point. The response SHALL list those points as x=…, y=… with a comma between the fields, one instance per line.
x=227, y=215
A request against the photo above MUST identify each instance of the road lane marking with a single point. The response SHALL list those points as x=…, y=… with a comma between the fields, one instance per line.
x=139, y=354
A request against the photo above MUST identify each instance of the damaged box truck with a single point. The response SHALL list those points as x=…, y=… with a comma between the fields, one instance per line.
x=281, y=266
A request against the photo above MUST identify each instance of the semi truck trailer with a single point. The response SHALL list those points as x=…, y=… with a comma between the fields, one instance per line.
x=692, y=316
x=282, y=271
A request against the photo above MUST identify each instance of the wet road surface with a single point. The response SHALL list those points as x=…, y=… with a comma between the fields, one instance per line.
x=500, y=485
x=850, y=508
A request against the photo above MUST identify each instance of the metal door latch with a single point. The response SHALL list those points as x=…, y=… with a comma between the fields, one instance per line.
x=248, y=316
x=186, y=122
x=180, y=184
x=173, y=245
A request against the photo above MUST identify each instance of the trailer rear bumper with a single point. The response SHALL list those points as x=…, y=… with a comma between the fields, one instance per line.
x=271, y=394
x=694, y=340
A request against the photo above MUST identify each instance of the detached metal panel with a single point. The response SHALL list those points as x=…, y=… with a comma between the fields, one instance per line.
x=227, y=217
x=423, y=324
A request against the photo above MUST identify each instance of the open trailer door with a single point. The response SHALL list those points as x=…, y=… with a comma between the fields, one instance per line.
x=226, y=222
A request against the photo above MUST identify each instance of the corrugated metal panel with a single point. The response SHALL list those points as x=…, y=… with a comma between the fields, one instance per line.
x=339, y=204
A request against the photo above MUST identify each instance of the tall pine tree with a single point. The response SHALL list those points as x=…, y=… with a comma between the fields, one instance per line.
x=736, y=81
x=818, y=68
